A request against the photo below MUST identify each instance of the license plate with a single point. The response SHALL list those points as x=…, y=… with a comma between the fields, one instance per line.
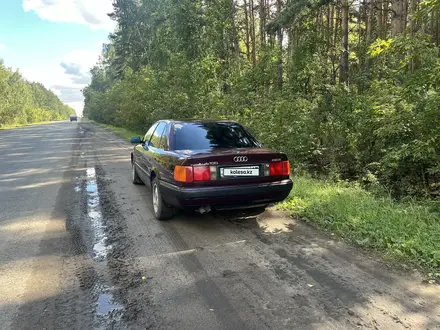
x=240, y=171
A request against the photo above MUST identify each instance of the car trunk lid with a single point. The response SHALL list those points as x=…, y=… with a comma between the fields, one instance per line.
x=234, y=166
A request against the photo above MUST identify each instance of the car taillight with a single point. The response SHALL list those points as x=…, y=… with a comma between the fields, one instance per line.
x=195, y=173
x=276, y=168
x=279, y=168
x=286, y=167
x=202, y=173
x=183, y=173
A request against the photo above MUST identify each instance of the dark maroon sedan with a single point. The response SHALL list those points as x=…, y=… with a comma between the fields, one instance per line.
x=207, y=165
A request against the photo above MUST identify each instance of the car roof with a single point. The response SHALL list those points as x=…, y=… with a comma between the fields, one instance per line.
x=200, y=121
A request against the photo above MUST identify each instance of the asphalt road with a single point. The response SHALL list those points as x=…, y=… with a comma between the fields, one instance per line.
x=79, y=249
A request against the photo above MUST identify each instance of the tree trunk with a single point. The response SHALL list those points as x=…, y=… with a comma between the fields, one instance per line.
x=362, y=21
x=254, y=48
x=280, y=45
x=369, y=21
x=343, y=76
x=413, y=19
x=337, y=24
x=234, y=30
x=380, y=20
x=330, y=12
x=405, y=15
x=262, y=22
x=397, y=17
x=291, y=36
x=335, y=42
x=385, y=8
x=246, y=23
x=368, y=39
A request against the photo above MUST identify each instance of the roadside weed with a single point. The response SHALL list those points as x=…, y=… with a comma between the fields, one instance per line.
x=408, y=231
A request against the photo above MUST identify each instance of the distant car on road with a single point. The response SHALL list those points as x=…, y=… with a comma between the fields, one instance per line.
x=207, y=165
x=73, y=118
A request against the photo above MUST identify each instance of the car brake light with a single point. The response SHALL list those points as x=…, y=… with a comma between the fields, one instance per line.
x=202, y=173
x=276, y=168
x=183, y=173
x=279, y=168
x=195, y=173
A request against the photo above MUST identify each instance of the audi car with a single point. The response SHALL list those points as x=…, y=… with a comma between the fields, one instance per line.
x=207, y=165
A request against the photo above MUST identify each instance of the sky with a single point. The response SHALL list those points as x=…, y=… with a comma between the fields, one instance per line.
x=55, y=42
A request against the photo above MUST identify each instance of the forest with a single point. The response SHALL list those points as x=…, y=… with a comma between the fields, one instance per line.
x=23, y=102
x=350, y=90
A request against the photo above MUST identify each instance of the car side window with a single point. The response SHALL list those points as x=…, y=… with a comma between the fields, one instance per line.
x=164, y=140
x=147, y=136
x=155, y=139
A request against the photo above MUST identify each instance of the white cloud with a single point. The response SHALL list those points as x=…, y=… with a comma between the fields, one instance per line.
x=86, y=59
x=2, y=46
x=86, y=12
x=67, y=76
x=49, y=75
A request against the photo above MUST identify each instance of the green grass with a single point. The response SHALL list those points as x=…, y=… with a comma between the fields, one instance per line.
x=122, y=132
x=405, y=231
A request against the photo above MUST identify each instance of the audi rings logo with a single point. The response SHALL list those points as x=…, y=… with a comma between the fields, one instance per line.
x=240, y=159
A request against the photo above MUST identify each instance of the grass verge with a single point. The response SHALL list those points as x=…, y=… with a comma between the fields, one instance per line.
x=406, y=231
x=122, y=132
x=5, y=127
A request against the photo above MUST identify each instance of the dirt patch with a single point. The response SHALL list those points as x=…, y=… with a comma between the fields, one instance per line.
x=132, y=287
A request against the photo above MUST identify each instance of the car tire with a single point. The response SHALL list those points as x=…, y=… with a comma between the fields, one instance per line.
x=135, y=177
x=161, y=210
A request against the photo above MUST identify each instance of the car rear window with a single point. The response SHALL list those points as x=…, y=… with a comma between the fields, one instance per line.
x=198, y=136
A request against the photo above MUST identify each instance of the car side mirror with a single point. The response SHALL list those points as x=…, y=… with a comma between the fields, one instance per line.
x=136, y=140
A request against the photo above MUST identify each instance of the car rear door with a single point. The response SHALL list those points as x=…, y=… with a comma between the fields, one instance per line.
x=162, y=159
x=140, y=153
x=152, y=152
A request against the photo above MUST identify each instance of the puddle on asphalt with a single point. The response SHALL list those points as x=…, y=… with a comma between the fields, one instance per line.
x=92, y=188
x=94, y=215
x=107, y=304
x=108, y=311
x=100, y=249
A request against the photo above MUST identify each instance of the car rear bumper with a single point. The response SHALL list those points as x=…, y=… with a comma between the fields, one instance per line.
x=226, y=196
